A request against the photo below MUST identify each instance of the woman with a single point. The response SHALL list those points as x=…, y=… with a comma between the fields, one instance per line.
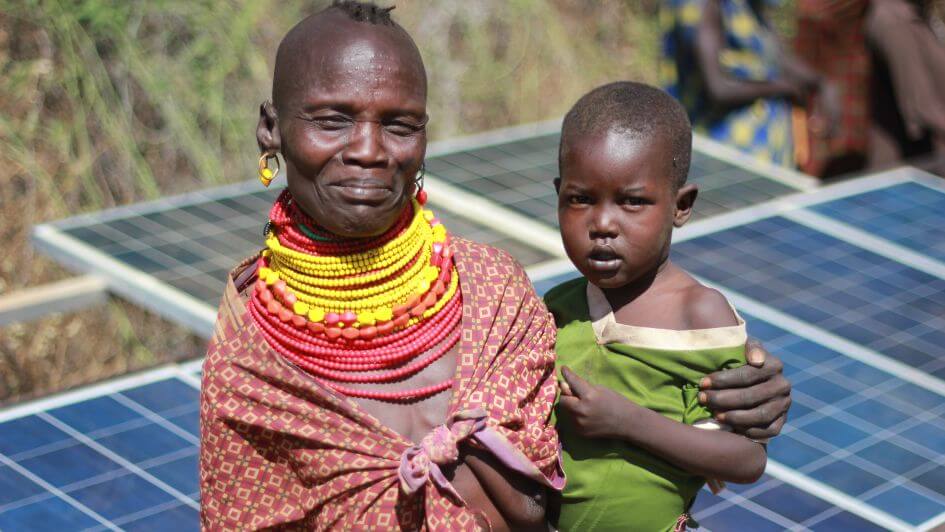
x=368, y=370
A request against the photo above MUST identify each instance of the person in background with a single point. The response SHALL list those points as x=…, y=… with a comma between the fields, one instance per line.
x=908, y=100
x=831, y=39
x=722, y=60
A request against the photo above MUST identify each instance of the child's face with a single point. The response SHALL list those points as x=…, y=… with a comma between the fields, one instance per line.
x=617, y=206
x=353, y=131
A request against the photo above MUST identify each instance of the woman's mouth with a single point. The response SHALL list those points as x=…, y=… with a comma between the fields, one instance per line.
x=363, y=191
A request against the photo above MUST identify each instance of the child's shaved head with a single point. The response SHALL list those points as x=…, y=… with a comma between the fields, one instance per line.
x=303, y=49
x=635, y=109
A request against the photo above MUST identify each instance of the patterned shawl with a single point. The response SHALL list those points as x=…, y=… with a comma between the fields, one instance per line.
x=280, y=450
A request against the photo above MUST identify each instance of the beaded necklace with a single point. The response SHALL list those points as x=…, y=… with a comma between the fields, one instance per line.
x=374, y=310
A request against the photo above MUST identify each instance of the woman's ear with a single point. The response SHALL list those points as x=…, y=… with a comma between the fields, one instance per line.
x=685, y=199
x=267, y=130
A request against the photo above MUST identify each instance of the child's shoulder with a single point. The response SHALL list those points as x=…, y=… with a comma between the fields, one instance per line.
x=567, y=301
x=566, y=293
x=704, y=307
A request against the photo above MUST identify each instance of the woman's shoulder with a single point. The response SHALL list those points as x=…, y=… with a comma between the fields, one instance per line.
x=485, y=260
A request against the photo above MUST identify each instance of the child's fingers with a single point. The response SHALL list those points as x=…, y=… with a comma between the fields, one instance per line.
x=568, y=402
x=565, y=387
x=577, y=385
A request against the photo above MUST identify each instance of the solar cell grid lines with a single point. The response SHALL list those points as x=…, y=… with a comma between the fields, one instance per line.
x=124, y=460
x=519, y=175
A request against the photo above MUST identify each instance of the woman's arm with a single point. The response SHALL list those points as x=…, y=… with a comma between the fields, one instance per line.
x=520, y=500
x=752, y=399
x=598, y=412
x=724, y=90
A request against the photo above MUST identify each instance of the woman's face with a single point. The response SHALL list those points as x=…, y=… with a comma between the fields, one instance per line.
x=353, y=132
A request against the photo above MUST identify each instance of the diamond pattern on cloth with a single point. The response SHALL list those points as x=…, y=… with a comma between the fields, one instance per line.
x=279, y=450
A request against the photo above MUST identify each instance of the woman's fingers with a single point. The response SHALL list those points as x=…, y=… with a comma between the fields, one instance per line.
x=764, y=421
x=748, y=397
x=743, y=376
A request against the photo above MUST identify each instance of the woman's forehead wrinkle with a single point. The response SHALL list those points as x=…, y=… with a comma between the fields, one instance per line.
x=362, y=67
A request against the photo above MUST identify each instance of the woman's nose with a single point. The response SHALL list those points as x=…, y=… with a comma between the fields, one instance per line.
x=365, y=145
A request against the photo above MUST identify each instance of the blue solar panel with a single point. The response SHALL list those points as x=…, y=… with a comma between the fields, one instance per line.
x=771, y=504
x=853, y=427
x=849, y=291
x=908, y=214
x=125, y=460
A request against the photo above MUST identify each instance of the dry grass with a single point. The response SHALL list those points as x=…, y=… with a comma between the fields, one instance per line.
x=107, y=102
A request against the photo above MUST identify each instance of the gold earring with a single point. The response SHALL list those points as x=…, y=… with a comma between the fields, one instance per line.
x=266, y=175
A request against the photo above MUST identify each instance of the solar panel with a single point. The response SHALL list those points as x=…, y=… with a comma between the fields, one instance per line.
x=770, y=504
x=909, y=214
x=854, y=293
x=122, y=456
x=519, y=174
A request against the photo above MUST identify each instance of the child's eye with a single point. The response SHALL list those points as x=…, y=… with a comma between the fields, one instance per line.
x=578, y=199
x=634, y=201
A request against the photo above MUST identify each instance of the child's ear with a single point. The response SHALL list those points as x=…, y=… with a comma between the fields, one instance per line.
x=685, y=199
x=557, y=185
x=267, y=130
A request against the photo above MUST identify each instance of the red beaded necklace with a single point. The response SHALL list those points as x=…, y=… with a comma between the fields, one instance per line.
x=341, y=348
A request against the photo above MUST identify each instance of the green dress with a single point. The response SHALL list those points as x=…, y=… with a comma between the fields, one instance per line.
x=611, y=484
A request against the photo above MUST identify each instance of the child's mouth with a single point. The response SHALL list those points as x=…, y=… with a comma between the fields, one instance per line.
x=603, y=258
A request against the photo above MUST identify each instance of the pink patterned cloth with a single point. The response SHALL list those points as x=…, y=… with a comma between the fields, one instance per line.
x=279, y=450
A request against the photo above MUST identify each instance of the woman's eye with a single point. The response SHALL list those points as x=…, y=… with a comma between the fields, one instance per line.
x=634, y=202
x=402, y=128
x=331, y=122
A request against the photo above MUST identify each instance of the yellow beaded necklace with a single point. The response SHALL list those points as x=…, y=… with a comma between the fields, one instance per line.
x=401, y=277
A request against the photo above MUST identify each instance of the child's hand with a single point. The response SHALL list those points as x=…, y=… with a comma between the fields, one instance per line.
x=595, y=411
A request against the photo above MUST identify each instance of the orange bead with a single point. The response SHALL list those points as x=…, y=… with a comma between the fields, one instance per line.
x=402, y=320
x=285, y=314
x=368, y=333
x=350, y=333
x=430, y=300
x=385, y=328
x=299, y=321
x=418, y=311
x=289, y=299
x=316, y=327
x=333, y=332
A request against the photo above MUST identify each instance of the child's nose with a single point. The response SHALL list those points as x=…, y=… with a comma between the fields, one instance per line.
x=603, y=224
x=365, y=146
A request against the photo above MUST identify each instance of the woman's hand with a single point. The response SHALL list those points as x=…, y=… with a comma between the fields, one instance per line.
x=753, y=399
x=827, y=110
x=594, y=411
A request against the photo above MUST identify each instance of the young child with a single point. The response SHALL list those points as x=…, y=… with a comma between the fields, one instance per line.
x=636, y=333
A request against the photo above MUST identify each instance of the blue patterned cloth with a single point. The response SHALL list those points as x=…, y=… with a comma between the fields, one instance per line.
x=750, y=52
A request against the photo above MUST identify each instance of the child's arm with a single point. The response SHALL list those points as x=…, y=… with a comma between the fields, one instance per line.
x=599, y=412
